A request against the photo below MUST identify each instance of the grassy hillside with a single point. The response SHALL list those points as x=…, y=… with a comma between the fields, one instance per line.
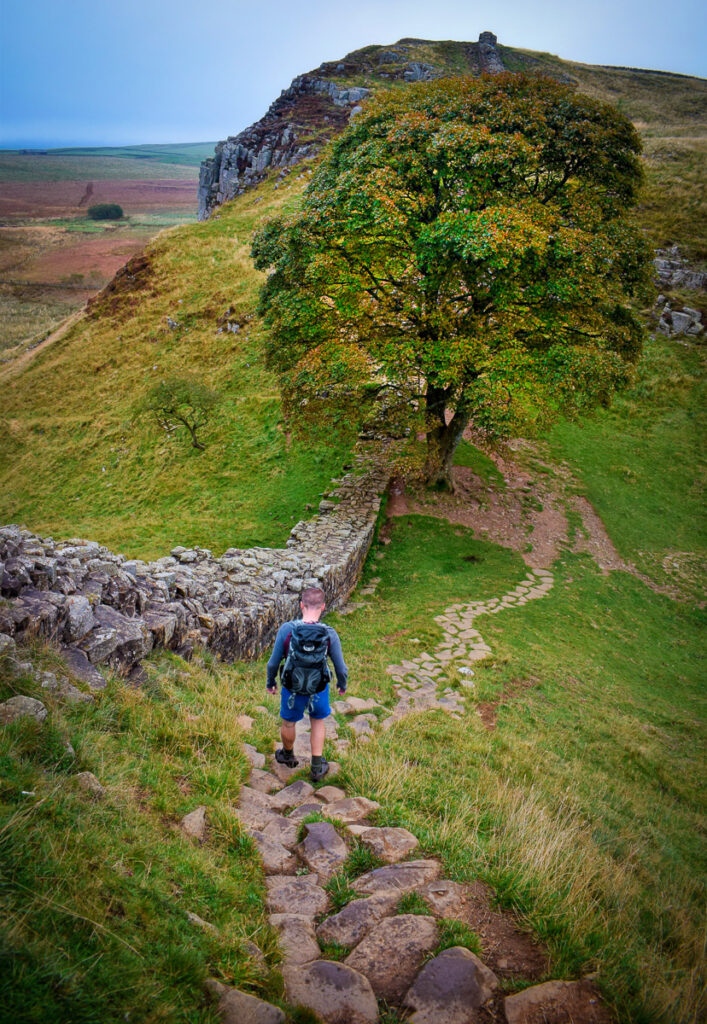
x=583, y=807
x=75, y=461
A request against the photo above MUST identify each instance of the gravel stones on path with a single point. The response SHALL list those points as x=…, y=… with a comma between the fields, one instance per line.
x=336, y=992
x=350, y=810
x=291, y=796
x=392, y=953
x=277, y=859
x=282, y=830
x=416, y=681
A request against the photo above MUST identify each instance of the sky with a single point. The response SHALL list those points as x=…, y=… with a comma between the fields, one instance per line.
x=93, y=72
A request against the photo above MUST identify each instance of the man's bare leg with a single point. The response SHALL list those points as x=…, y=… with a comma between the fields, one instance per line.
x=288, y=732
x=317, y=736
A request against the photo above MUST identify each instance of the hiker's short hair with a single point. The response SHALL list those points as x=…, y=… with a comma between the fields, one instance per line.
x=313, y=597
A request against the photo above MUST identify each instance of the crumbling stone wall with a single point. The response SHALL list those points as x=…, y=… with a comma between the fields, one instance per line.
x=106, y=609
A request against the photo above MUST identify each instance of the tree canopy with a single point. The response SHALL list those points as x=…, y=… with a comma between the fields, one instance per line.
x=465, y=246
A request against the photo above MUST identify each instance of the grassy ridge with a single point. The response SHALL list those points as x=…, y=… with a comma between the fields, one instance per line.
x=73, y=464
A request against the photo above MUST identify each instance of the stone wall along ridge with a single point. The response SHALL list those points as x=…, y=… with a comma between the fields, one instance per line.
x=106, y=609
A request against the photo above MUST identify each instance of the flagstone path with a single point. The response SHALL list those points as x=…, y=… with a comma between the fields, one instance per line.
x=349, y=965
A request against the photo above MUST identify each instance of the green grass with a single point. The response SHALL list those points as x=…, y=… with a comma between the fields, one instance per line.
x=484, y=467
x=95, y=893
x=642, y=465
x=75, y=461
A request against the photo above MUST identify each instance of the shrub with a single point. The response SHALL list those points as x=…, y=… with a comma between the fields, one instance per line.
x=105, y=211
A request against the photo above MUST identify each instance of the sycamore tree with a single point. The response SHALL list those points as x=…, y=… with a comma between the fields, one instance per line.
x=465, y=246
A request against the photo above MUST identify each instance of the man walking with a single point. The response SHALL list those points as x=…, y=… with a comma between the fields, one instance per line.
x=305, y=644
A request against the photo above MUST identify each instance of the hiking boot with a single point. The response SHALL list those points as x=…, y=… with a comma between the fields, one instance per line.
x=286, y=757
x=319, y=771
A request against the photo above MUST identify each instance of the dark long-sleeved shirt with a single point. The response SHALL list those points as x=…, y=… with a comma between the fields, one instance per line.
x=280, y=651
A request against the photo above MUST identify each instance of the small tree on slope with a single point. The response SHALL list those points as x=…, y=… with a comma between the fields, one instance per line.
x=465, y=242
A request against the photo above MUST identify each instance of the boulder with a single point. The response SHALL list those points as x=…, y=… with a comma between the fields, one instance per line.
x=355, y=921
x=351, y=809
x=297, y=938
x=79, y=666
x=277, y=860
x=295, y=894
x=389, y=844
x=254, y=809
x=79, y=618
x=88, y=782
x=330, y=793
x=22, y=707
x=194, y=823
x=304, y=811
x=337, y=993
x=291, y=796
x=323, y=850
x=557, y=1002
x=392, y=953
x=256, y=759
x=398, y=878
x=264, y=782
x=7, y=645
x=282, y=830
x=449, y=987
x=236, y=1007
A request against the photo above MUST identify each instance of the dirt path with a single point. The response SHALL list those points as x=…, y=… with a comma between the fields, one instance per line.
x=528, y=513
x=13, y=366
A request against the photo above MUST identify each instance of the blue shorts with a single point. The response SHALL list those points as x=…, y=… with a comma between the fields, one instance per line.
x=294, y=706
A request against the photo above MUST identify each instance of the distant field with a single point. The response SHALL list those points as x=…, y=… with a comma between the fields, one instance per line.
x=135, y=162
x=52, y=256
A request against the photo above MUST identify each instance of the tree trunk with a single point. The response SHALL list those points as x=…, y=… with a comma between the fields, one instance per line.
x=442, y=439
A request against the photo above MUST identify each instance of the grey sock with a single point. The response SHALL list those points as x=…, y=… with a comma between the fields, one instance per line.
x=316, y=760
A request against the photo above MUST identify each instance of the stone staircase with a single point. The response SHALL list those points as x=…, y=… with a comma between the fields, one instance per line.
x=372, y=956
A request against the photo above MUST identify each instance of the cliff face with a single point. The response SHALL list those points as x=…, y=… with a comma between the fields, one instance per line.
x=318, y=105
x=296, y=125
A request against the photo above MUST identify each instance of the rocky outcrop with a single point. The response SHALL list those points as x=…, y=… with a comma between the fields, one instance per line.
x=673, y=322
x=315, y=107
x=675, y=272
x=490, y=61
x=106, y=609
x=297, y=124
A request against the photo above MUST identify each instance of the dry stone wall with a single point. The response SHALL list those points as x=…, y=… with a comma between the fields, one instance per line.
x=106, y=609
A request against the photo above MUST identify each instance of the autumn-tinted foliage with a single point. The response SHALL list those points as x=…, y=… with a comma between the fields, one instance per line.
x=465, y=244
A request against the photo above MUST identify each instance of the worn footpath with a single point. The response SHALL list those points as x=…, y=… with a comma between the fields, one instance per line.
x=382, y=953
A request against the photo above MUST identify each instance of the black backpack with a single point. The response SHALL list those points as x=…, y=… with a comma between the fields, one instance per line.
x=305, y=670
